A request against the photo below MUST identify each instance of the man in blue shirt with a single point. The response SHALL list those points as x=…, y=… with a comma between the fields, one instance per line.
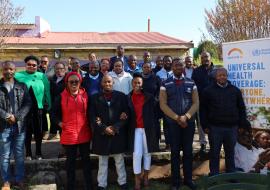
x=92, y=81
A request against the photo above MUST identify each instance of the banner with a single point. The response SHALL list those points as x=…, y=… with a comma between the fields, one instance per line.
x=248, y=65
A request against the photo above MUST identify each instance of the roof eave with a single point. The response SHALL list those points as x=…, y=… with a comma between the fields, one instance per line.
x=100, y=46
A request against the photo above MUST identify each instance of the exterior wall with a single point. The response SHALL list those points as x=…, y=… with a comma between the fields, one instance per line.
x=18, y=55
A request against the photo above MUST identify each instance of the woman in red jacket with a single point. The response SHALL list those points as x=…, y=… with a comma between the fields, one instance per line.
x=70, y=113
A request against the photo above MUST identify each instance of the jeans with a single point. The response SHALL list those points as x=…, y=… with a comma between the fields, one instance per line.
x=11, y=141
x=103, y=169
x=226, y=136
x=71, y=152
x=181, y=138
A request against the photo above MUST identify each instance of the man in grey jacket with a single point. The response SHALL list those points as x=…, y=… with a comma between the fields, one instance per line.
x=15, y=104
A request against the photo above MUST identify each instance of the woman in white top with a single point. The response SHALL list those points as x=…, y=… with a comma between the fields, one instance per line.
x=121, y=79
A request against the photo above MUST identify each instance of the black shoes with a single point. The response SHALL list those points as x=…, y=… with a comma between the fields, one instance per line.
x=203, y=154
x=190, y=184
x=124, y=187
x=101, y=188
x=175, y=188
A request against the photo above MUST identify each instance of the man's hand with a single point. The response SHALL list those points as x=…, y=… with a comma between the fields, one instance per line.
x=182, y=121
x=98, y=120
x=264, y=157
x=207, y=130
x=123, y=116
x=109, y=131
x=11, y=119
x=263, y=160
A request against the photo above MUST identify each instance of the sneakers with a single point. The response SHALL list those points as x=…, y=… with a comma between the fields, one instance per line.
x=46, y=135
x=39, y=157
x=54, y=137
x=6, y=186
x=28, y=158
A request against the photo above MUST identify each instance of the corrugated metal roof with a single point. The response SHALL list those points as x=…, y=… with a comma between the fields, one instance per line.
x=97, y=38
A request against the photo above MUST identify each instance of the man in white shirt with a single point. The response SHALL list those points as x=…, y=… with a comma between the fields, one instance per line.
x=164, y=74
x=248, y=158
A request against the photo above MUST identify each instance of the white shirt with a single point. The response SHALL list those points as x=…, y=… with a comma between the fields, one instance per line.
x=189, y=72
x=122, y=82
x=94, y=77
x=245, y=158
x=163, y=74
x=58, y=79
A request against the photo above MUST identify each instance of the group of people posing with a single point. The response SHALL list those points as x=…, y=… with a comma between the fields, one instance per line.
x=115, y=106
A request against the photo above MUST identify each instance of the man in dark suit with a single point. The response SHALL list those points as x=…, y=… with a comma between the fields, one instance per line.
x=120, y=55
x=110, y=133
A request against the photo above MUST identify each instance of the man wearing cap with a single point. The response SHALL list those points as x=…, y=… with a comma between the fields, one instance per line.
x=179, y=101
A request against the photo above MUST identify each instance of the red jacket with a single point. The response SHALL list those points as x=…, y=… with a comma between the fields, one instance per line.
x=75, y=126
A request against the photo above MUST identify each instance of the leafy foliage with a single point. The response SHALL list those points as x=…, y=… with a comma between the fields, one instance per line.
x=8, y=17
x=233, y=20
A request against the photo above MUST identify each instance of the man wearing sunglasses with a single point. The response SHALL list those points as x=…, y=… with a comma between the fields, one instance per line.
x=49, y=72
x=39, y=89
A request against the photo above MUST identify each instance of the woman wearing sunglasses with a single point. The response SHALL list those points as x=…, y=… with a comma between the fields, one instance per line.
x=70, y=113
x=39, y=90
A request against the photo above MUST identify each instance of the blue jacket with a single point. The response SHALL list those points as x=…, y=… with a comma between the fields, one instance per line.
x=179, y=97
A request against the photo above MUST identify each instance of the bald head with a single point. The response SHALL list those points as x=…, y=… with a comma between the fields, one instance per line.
x=107, y=83
x=221, y=76
x=205, y=58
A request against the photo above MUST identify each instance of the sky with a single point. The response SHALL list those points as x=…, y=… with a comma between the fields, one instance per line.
x=183, y=19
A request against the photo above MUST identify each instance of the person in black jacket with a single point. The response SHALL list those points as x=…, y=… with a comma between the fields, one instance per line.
x=120, y=50
x=151, y=85
x=110, y=130
x=223, y=111
x=57, y=85
x=142, y=129
x=15, y=103
x=203, y=77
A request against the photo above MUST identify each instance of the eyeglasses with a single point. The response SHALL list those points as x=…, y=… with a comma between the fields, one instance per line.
x=31, y=65
x=76, y=82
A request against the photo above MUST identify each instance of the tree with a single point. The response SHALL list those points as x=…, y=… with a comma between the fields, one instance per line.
x=9, y=16
x=234, y=20
x=208, y=46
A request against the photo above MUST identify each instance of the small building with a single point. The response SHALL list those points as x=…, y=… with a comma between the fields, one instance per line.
x=38, y=39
